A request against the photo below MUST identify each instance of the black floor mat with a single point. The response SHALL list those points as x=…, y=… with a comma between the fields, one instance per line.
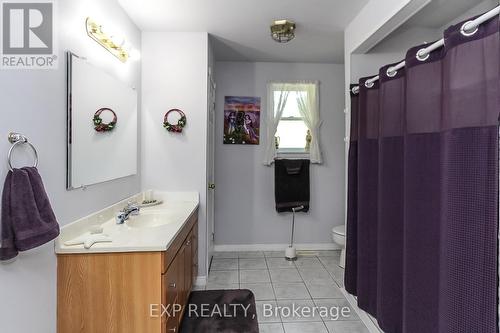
x=220, y=311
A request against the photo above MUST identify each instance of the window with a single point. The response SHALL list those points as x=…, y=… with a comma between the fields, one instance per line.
x=293, y=123
x=292, y=131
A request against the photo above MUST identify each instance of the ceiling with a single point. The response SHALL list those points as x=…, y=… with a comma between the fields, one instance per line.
x=240, y=29
x=441, y=12
x=430, y=22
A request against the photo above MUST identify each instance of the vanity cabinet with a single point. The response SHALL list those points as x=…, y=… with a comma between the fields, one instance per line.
x=177, y=281
x=127, y=292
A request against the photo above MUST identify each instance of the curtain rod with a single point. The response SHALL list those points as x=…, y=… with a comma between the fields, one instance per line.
x=469, y=28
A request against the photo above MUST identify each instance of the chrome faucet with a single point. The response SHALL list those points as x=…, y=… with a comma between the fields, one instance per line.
x=132, y=208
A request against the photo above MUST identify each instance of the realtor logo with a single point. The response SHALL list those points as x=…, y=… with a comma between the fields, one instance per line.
x=28, y=35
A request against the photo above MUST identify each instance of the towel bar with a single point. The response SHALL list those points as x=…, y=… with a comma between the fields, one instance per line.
x=18, y=139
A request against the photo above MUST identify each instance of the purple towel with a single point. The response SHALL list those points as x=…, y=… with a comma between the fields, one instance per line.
x=27, y=217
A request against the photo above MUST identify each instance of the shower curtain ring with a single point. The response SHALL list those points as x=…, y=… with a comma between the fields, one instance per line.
x=468, y=32
x=391, y=73
x=423, y=55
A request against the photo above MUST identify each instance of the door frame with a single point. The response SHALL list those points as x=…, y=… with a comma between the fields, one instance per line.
x=210, y=237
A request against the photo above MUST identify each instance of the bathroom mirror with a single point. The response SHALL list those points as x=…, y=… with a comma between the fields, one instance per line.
x=102, y=125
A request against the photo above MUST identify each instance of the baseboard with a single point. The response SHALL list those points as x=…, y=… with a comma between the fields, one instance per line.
x=200, y=281
x=275, y=247
x=369, y=321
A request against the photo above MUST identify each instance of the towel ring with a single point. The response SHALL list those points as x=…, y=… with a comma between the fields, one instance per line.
x=19, y=139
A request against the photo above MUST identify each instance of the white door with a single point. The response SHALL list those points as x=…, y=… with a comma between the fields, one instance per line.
x=210, y=168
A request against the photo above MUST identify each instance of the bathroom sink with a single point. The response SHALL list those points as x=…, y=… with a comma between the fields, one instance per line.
x=149, y=220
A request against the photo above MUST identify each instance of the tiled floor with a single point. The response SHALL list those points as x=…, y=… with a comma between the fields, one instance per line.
x=312, y=281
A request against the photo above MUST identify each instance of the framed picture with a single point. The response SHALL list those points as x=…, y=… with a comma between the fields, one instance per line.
x=241, y=120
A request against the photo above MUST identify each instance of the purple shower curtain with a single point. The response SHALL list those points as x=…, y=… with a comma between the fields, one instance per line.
x=367, y=197
x=351, y=267
x=469, y=179
x=427, y=196
x=422, y=192
x=390, y=200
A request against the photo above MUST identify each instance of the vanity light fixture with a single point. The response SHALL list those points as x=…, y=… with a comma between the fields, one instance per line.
x=117, y=46
x=283, y=31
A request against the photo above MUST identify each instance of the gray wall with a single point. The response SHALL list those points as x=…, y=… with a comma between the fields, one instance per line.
x=244, y=198
x=174, y=75
x=33, y=102
x=390, y=50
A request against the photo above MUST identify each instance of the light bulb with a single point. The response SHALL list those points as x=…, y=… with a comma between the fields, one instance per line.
x=118, y=40
x=127, y=46
x=134, y=54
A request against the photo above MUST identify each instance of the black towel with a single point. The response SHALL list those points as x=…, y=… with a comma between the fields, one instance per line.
x=27, y=217
x=291, y=184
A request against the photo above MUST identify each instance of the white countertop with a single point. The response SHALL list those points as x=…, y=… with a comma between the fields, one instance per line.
x=175, y=211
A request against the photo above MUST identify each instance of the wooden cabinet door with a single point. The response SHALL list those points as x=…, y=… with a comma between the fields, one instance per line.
x=172, y=326
x=182, y=274
x=194, y=273
x=188, y=264
x=108, y=292
x=172, y=286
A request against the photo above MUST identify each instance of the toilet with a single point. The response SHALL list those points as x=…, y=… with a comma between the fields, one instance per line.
x=338, y=236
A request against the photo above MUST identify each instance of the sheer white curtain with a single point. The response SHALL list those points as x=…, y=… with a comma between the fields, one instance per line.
x=309, y=110
x=274, y=113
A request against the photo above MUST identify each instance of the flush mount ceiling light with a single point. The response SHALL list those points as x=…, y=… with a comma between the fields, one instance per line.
x=115, y=45
x=283, y=31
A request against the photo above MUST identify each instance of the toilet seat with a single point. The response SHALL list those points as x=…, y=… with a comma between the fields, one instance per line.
x=339, y=230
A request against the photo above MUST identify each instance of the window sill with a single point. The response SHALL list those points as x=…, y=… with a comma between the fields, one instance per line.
x=293, y=153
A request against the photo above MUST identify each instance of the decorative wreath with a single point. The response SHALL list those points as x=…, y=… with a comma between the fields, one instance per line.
x=180, y=123
x=99, y=126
